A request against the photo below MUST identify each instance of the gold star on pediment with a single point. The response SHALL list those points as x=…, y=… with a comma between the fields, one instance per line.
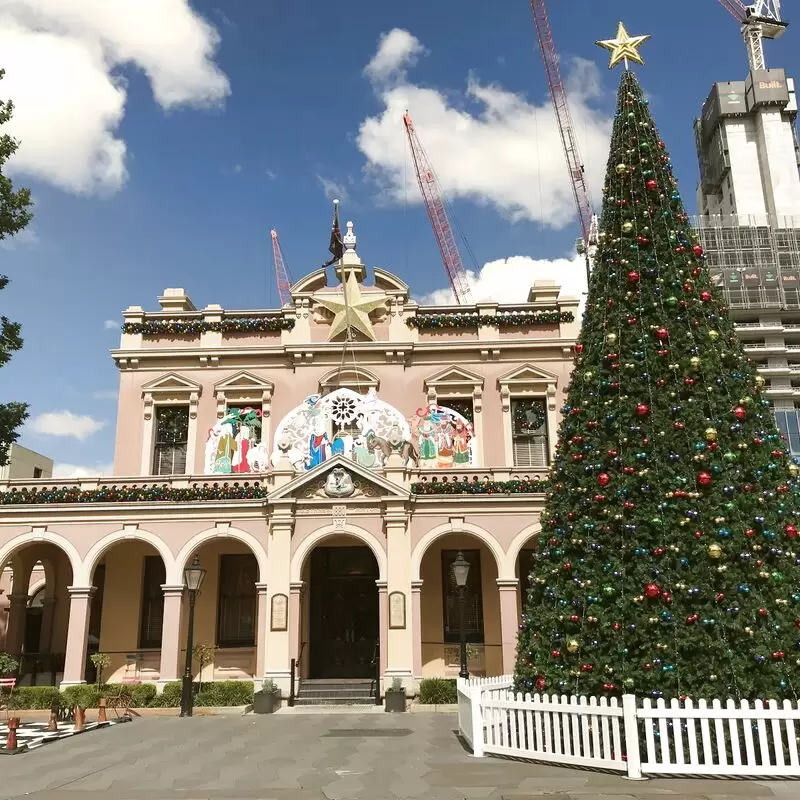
x=352, y=310
x=624, y=47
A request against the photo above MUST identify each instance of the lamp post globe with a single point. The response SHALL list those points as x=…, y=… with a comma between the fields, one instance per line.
x=460, y=570
x=193, y=576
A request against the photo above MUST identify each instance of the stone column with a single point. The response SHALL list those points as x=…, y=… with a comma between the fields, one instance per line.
x=262, y=623
x=383, y=631
x=399, y=653
x=296, y=623
x=15, y=632
x=80, y=603
x=170, y=668
x=416, y=626
x=279, y=562
x=509, y=621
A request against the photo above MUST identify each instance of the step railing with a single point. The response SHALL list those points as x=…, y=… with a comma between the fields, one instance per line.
x=294, y=676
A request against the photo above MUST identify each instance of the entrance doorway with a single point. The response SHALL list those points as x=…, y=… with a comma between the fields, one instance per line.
x=343, y=612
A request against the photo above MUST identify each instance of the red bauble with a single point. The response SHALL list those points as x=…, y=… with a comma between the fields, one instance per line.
x=618, y=626
x=790, y=531
x=578, y=348
x=778, y=655
x=662, y=333
x=556, y=654
x=603, y=479
x=704, y=479
x=642, y=410
x=705, y=297
x=652, y=185
x=762, y=612
x=692, y=618
x=540, y=683
x=633, y=277
x=575, y=618
x=587, y=667
x=652, y=590
x=697, y=250
x=642, y=240
x=739, y=412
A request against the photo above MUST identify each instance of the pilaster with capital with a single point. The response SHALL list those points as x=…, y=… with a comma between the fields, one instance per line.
x=400, y=640
x=279, y=557
x=509, y=621
x=80, y=603
x=169, y=669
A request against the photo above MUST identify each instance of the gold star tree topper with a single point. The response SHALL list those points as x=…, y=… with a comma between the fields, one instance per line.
x=351, y=310
x=624, y=47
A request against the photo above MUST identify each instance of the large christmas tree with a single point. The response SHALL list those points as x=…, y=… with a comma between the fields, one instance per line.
x=668, y=562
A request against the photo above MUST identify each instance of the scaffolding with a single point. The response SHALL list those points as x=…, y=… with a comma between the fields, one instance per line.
x=754, y=260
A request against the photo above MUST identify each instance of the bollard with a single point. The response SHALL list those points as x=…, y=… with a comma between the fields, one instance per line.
x=101, y=710
x=80, y=717
x=52, y=725
x=11, y=739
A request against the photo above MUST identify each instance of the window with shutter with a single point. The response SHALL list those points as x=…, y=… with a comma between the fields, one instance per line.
x=529, y=433
x=236, y=611
x=172, y=440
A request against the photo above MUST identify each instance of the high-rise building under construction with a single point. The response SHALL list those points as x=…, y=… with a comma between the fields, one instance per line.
x=748, y=201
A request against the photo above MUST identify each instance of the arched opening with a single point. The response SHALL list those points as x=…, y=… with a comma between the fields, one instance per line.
x=34, y=611
x=126, y=611
x=440, y=606
x=226, y=631
x=340, y=619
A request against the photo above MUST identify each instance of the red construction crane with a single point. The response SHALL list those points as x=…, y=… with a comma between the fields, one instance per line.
x=281, y=274
x=437, y=213
x=759, y=21
x=588, y=221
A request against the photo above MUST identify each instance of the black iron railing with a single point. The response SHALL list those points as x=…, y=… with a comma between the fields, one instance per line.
x=294, y=677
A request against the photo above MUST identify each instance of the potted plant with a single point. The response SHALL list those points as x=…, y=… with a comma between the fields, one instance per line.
x=395, y=698
x=267, y=699
x=101, y=661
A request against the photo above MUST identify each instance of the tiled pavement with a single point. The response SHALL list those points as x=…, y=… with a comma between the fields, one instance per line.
x=318, y=757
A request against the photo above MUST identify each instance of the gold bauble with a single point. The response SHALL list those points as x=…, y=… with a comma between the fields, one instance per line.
x=611, y=338
x=572, y=646
x=760, y=381
x=711, y=434
x=714, y=551
x=713, y=335
x=627, y=226
x=695, y=362
x=622, y=169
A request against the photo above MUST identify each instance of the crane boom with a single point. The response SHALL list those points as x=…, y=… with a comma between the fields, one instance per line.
x=544, y=34
x=281, y=273
x=759, y=21
x=437, y=214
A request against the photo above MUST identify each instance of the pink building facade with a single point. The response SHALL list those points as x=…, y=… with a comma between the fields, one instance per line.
x=325, y=461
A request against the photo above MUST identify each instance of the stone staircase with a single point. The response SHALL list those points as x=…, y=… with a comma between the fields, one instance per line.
x=336, y=692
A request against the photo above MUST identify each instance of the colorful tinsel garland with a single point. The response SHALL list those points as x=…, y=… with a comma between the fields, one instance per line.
x=507, y=319
x=179, y=327
x=513, y=486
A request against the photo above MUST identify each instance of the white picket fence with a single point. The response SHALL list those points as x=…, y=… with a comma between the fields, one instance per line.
x=639, y=739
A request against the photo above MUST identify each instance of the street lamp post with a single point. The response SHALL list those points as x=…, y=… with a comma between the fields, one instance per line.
x=460, y=569
x=193, y=578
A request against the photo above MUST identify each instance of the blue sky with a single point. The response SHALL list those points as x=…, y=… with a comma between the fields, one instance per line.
x=162, y=140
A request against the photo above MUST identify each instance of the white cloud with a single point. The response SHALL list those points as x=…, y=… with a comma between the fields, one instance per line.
x=27, y=237
x=508, y=280
x=105, y=394
x=507, y=153
x=111, y=324
x=63, y=62
x=333, y=189
x=77, y=471
x=65, y=423
x=397, y=50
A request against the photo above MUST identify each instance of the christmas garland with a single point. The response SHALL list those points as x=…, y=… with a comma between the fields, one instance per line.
x=182, y=327
x=506, y=319
x=513, y=486
x=133, y=494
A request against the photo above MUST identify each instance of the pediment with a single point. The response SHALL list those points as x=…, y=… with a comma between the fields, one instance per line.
x=388, y=282
x=454, y=376
x=172, y=383
x=311, y=282
x=350, y=376
x=244, y=382
x=365, y=482
x=527, y=374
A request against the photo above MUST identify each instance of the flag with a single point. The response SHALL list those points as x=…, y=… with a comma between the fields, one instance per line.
x=336, y=248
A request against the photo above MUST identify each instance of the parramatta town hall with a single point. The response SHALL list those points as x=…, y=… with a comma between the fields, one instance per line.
x=324, y=463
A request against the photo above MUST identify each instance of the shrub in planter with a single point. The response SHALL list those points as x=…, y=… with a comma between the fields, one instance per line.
x=34, y=697
x=438, y=691
x=226, y=693
x=395, y=698
x=143, y=695
x=267, y=699
x=170, y=697
x=84, y=696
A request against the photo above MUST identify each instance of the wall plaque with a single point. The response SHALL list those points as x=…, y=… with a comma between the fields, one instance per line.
x=397, y=610
x=279, y=613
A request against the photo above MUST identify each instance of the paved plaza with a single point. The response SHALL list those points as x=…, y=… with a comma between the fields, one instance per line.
x=318, y=757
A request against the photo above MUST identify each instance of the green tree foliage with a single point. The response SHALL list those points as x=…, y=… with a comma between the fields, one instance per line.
x=15, y=214
x=668, y=559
